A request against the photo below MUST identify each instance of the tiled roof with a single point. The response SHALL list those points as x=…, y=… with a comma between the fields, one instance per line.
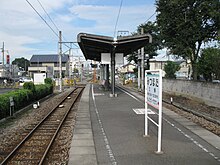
x=48, y=58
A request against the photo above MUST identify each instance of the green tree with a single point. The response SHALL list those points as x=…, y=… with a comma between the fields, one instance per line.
x=209, y=64
x=186, y=24
x=171, y=68
x=21, y=62
x=150, y=49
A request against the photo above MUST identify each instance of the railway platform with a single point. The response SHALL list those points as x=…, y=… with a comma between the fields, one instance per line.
x=109, y=131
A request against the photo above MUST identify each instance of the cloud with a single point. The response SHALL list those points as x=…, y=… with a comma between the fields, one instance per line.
x=21, y=27
x=24, y=33
x=15, y=44
x=105, y=16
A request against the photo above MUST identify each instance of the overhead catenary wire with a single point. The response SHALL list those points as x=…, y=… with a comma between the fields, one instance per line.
x=54, y=23
x=42, y=18
x=150, y=17
x=118, y=17
x=48, y=15
x=56, y=33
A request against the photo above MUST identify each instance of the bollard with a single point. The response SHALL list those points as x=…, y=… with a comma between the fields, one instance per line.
x=171, y=100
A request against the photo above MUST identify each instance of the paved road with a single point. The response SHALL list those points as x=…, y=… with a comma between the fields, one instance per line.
x=118, y=135
x=5, y=90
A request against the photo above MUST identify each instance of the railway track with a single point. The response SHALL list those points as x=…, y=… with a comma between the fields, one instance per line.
x=34, y=148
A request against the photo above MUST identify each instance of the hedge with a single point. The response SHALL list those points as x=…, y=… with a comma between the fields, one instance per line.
x=43, y=90
x=23, y=97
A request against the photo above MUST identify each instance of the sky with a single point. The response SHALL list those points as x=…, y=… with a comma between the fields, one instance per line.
x=24, y=33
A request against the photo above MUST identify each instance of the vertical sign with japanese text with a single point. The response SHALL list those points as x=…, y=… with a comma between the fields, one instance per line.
x=153, y=90
x=153, y=98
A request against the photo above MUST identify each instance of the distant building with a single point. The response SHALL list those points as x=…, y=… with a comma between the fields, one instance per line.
x=8, y=72
x=2, y=70
x=128, y=71
x=157, y=64
x=183, y=73
x=128, y=68
x=49, y=64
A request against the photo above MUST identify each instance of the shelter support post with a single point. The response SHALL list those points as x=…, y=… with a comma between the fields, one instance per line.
x=113, y=75
x=101, y=72
x=139, y=70
x=106, y=76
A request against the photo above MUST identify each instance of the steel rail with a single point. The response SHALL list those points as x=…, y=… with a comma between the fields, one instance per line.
x=61, y=123
x=9, y=157
x=202, y=115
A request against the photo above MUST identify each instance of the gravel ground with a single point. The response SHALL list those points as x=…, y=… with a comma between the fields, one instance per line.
x=197, y=106
x=13, y=130
x=191, y=104
x=59, y=153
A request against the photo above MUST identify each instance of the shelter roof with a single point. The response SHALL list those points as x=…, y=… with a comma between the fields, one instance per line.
x=93, y=45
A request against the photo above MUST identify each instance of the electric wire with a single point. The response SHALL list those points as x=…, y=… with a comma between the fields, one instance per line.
x=48, y=15
x=54, y=23
x=46, y=21
x=42, y=18
x=150, y=17
x=118, y=17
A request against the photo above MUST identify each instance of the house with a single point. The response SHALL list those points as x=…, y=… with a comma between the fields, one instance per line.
x=183, y=73
x=158, y=64
x=128, y=71
x=49, y=64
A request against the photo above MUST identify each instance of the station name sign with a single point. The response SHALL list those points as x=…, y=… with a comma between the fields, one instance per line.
x=153, y=98
x=153, y=90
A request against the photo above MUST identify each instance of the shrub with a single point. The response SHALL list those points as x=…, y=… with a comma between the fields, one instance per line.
x=4, y=106
x=29, y=86
x=21, y=97
x=48, y=81
x=43, y=90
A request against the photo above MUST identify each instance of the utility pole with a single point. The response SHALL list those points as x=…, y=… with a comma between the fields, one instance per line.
x=3, y=54
x=80, y=69
x=139, y=70
x=142, y=64
x=60, y=60
x=70, y=65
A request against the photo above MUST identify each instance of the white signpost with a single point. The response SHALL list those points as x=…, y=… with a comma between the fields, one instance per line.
x=153, y=97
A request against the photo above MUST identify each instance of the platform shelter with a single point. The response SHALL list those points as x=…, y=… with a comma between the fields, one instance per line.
x=93, y=46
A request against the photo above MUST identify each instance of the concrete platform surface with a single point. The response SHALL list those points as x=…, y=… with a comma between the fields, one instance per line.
x=82, y=151
x=109, y=132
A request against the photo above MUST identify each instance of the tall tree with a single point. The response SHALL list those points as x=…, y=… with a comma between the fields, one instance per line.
x=171, y=68
x=150, y=49
x=21, y=62
x=187, y=24
x=209, y=63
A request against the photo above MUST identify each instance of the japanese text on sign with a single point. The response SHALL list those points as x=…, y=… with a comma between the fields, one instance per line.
x=153, y=90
